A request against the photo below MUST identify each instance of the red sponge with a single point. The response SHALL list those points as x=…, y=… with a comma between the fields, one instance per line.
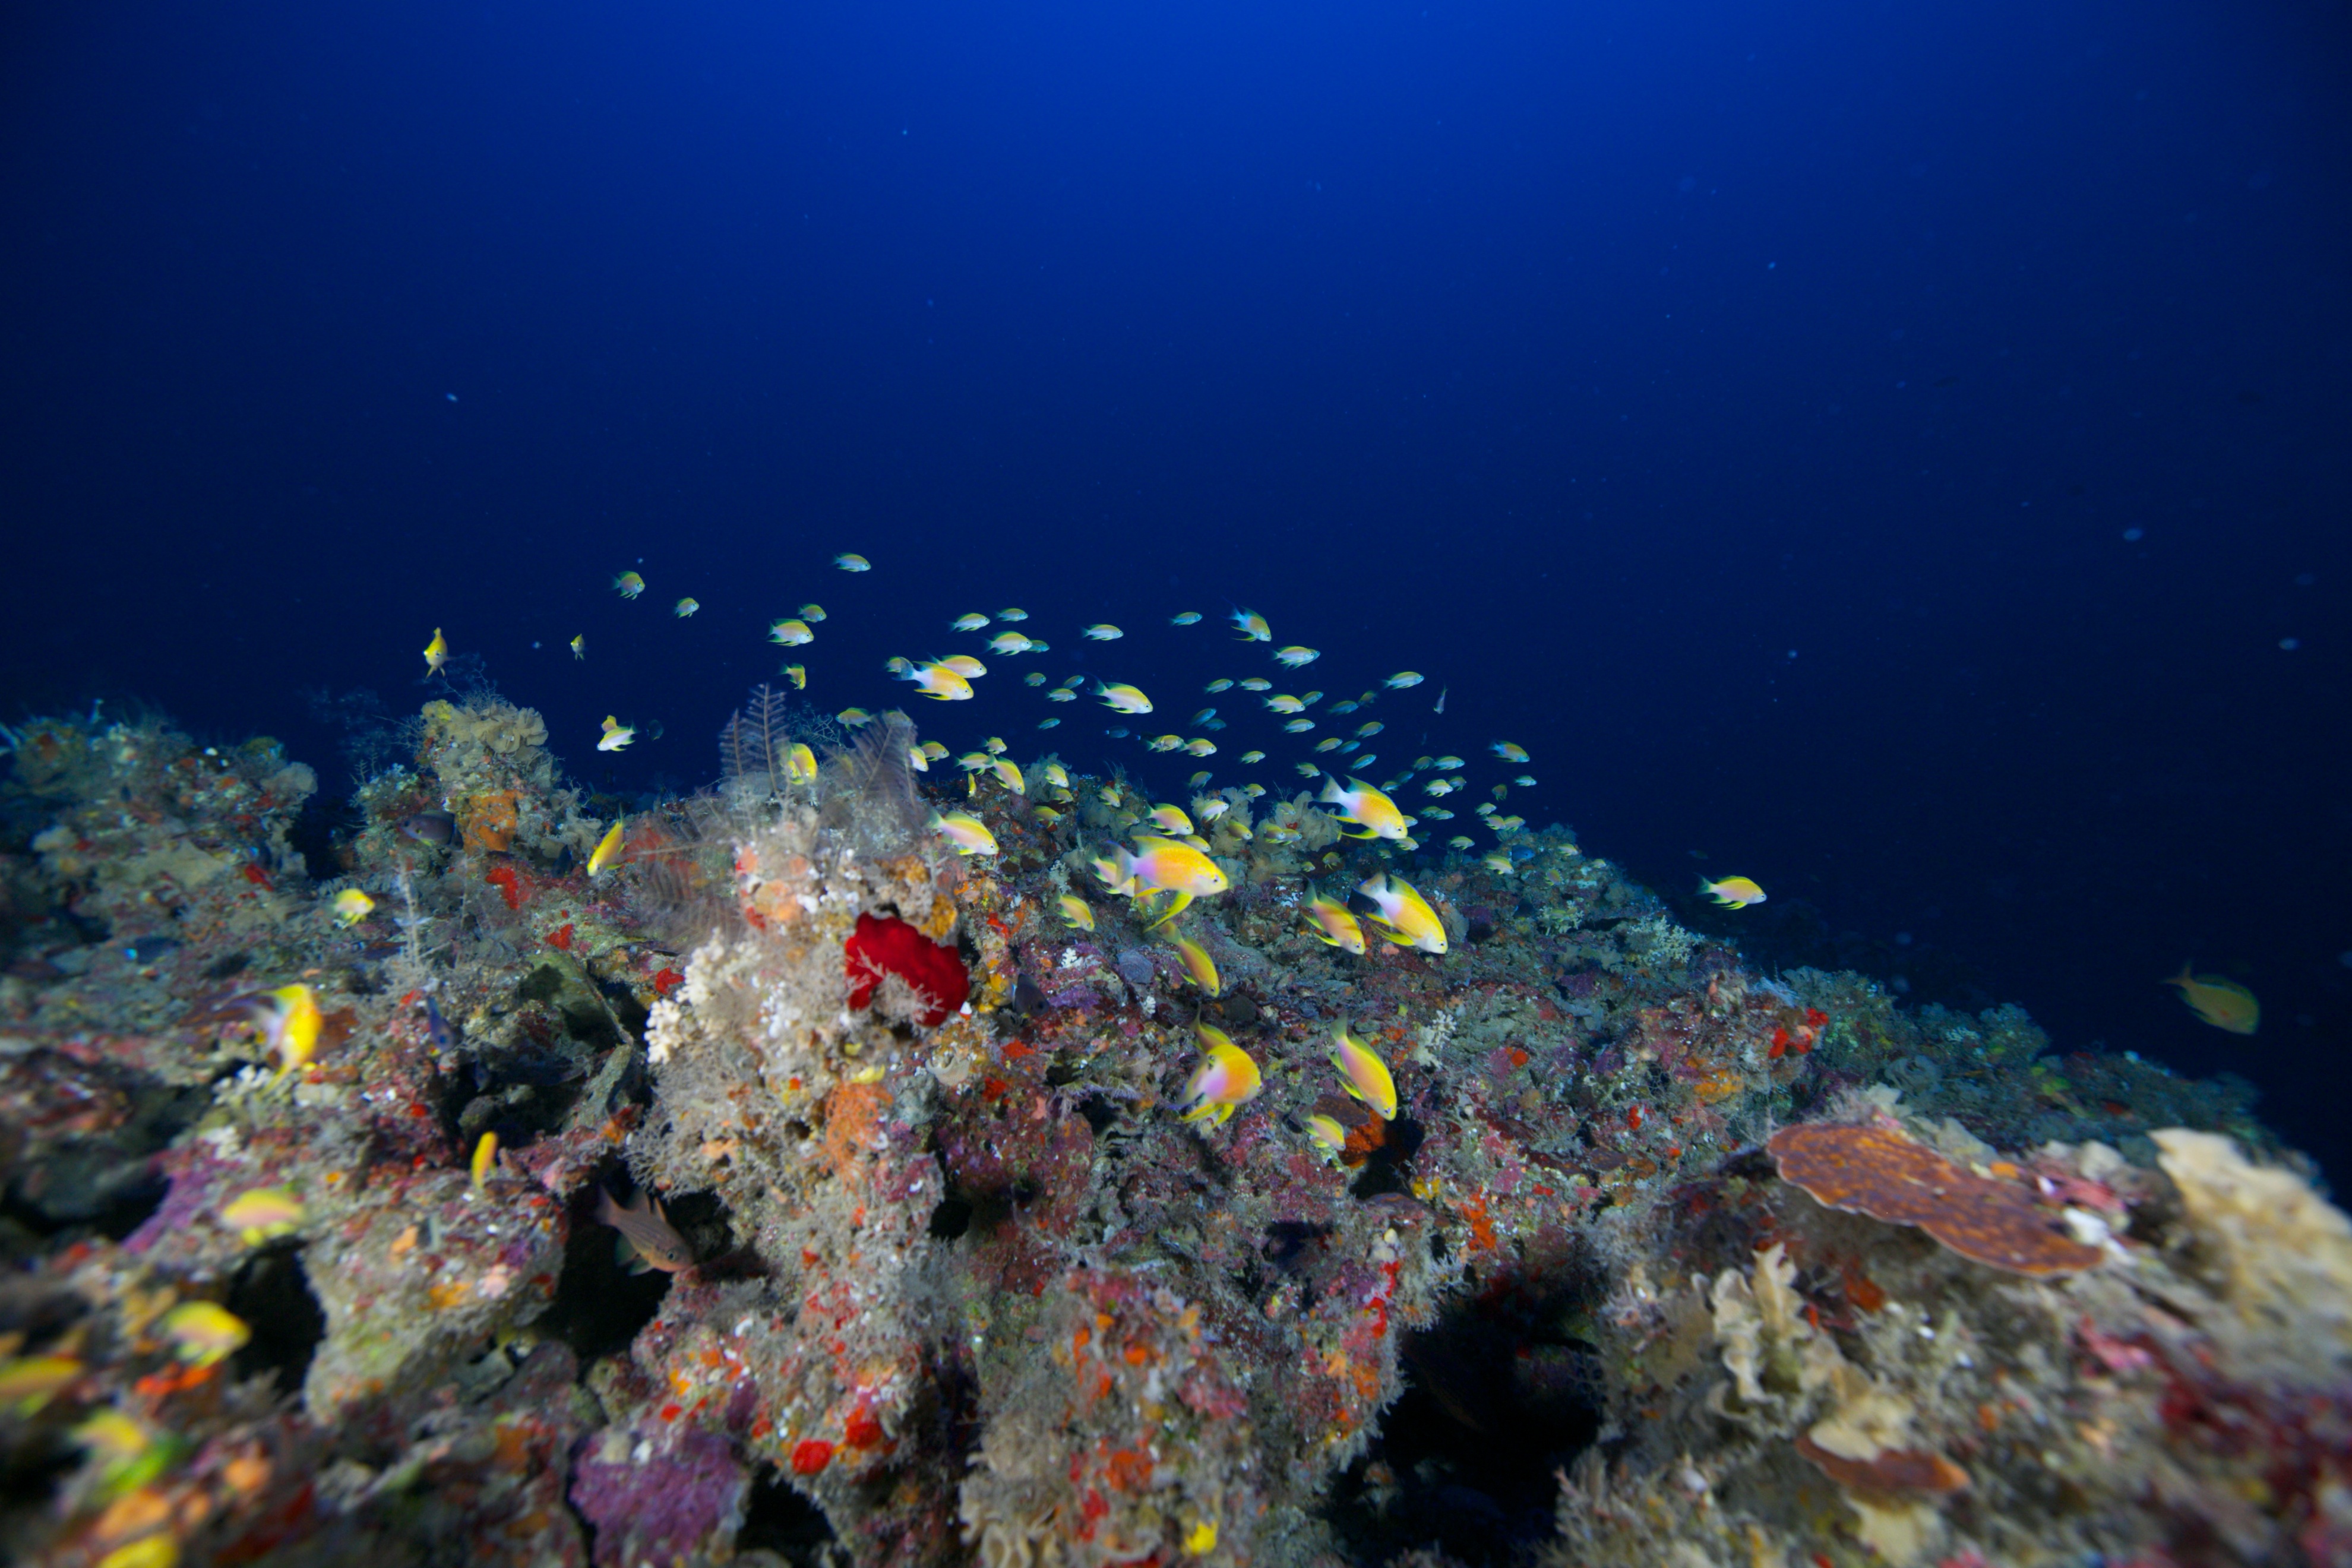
x=891, y=946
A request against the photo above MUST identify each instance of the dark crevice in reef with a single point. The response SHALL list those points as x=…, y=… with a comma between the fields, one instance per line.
x=272, y=1294
x=778, y=1518
x=600, y=1306
x=1499, y=1397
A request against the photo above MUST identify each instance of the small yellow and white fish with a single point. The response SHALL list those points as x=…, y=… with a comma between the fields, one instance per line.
x=350, y=907
x=934, y=751
x=800, y=764
x=1008, y=644
x=1508, y=752
x=1366, y=760
x=1253, y=626
x=790, y=633
x=1506, y=823
x=1331, y=743
x=1296, y=658
x=1199, y=746
x=798, y=675
x=1499, y=862
x=1102, y=631
x=1339, y=708
x=1525, y=781
x=1286, y=704
x=1329, y=922
x=1077, y=911
x=1170, y=819
x=1254, y=790
x=1369, y=728
x=1187, y=618
x=968, y=834
x=963, y=664
x=1299, y=726
x=685, y=608
x=856, y=717
x=917, y=761
x=1034, y=678
x=1254, y=683
x=1732, y=892
x=580, y=646
x=1438, y=786
x=617, y=735
x=1403, y=678
x=436, y=653
x=485, y=1161
x=1198, y=780
x=290, y=1020
x=1460, y=840
x=1401, y=909
x=975, y=762
x=940, y=683
x=1046, y=815
x=1048, y=723
x=853, y=562
x=1307, y=770
x=975, y=622
x=1435, y=814
x=1204, y=716
x=1327, y=1136
x=1163, y=865
x=1008, y=775
x=628, y=584
x=1057, y=775
x=263, y=1214
x=204, y=1333
x=1227, y=1080
x=1362, y=1073
x=1221, y=684
x=1061, y=694
x=1486, y=808
x=1312, y=698
x=1164, y=742
x=1367, y=807
x=2222, y=1002
x=1448, y=763
x=1198, y=965
x=1110, y=797
x=1016, y=614
x=1253, y=756
x=1125, y=698
x=607, y=853
x=1209, y=810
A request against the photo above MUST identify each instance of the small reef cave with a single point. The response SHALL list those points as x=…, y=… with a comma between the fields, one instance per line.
x=778, y=1518
x=1500, y=1395
x=600, y=1307
x=273, y=1296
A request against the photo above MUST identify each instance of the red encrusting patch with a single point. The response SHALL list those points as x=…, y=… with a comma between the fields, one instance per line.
x=810, y=1454
x=891, y=946
x=504, y=880
x=666, y=981
x=561, y=937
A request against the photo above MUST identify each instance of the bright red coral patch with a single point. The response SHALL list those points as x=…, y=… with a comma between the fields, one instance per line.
x=810, y=1456
x=891, y=946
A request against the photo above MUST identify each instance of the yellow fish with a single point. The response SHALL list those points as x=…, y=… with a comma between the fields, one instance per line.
x=1253, y=756
x=352, y=906
x=1198, y=965
x=1163, y=865
x=1399, y=906
x=994, y=746
x=1497, y=862
x=972, y=623
x=204, y=1333
x=800, y=764
x=1299, y=726
x=1125, y=698
x=436, y=653
x=1733, y=892
x=1057, y=775
x=485, y=1161
x=1327, y=1136
x=629, y=584
x=1061, y=694
x=963, y=664
x=852, y=562
x=685, y=608
x=1297, y=658
x=1008, y=644
x=938, y=683
x=1368, y=730
x=290, y=1020
x=1253, y=626
x=934, y=751
x=617, y=735
x=1012, y=615
x=1329, y=744
x=798, y=675
x=1365, y=806
x=968, y=834
x=1103, y=632
x=1076, y=911
x=27, y=1382
x=1225, y=1080
x=2224, y=1003
x=789, y=633
x=1219, y=685
x=1329, y=922
x=262, y=1214
x=580, y=646
x=1286, y=704
x=1507, y=751
x=1008, y=775
x=1254, y=683
x=607, y=853
x=1362, y=1073
x=811, y=613
x=1170, y=819
x=1190, y=618
x=1403, y=678
x=856, y=717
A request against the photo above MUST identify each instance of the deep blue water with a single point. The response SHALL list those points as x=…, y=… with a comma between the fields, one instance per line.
x=1890, y=450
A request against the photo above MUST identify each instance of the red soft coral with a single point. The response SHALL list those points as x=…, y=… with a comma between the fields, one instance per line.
x=891, y=946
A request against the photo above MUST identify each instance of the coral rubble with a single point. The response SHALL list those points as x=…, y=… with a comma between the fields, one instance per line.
x=1650, y=1258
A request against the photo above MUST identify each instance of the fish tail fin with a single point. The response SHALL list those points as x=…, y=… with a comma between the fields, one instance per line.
x=1332, y=794
x=2186, y=975
x=1182, y=899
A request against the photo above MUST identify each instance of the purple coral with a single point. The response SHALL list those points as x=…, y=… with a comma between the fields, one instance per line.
x=660, y=1498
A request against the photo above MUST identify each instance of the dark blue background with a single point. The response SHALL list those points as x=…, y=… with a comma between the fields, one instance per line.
x=1590, y=359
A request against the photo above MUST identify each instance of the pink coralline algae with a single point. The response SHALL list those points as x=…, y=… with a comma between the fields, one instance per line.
x=662, y=1499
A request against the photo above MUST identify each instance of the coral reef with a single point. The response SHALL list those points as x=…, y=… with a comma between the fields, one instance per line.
x=1650, y=1258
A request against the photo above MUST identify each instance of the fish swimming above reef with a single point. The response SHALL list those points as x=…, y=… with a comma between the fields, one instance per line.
x=645, y=1233
x=972, y=623
x=1733, y=892
x=1103, y=632
x=1009, y=644
x=352, y=906
x=436, y=653
x=1227, y=1080
x=1126, y=699
x=579, y=646
x=853, y=562
x=685, y=608
x=1362, y=1073
x=2224, y=1003
x=1162, y=865
x=617, y=735
x=1365, y=806
x=968, y=834
x=1253, y=626
x=607, y=852
x=790, y=633
x=628, y=584
x=1395, y=903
